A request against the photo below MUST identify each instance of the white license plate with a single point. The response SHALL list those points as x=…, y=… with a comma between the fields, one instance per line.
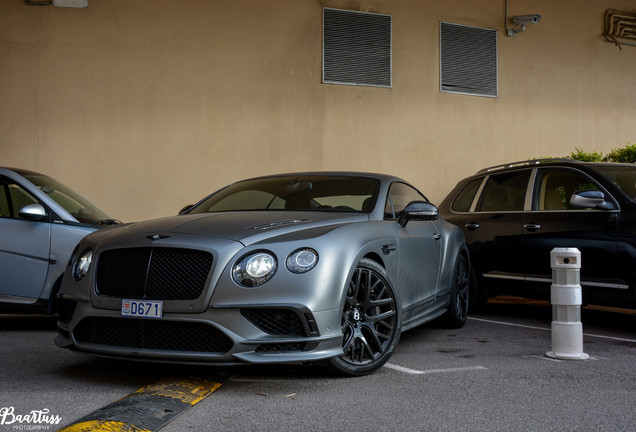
x=142, y=308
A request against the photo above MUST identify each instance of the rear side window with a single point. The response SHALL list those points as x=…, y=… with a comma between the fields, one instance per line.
x=465, y=198
x=505, y=192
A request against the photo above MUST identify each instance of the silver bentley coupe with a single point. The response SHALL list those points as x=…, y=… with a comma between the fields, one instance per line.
x=325, y=267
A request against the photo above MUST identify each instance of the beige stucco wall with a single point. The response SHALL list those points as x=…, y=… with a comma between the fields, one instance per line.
x=147, y=105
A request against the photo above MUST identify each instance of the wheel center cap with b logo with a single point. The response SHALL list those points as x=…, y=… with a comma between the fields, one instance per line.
x=355, y=315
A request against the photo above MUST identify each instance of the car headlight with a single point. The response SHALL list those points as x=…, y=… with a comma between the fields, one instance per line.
x=254, y=269
x=302, y=260
x=82, y=264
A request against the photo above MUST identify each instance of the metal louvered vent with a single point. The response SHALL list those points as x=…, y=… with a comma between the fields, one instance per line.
x=356, y=48
x=468, y=60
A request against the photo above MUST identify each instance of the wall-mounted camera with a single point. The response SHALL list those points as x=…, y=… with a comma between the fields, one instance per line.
x=522, y=20
x=526, y=19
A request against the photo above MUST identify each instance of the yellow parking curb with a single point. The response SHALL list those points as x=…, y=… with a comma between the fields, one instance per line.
x=188, y=390
x=149, y=408
x=102, y=425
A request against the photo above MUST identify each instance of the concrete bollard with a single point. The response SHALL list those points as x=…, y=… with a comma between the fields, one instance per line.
x=566, y=298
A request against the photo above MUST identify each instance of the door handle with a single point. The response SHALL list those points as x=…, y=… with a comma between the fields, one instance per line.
x=472, y=226
x=437, y=236
x=532, y=227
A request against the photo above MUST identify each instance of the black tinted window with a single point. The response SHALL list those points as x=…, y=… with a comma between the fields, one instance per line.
x=505, y=192
x=465, y=198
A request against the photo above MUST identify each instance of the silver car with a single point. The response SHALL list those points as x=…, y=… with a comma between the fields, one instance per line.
x=41, y=222
x=305, y=267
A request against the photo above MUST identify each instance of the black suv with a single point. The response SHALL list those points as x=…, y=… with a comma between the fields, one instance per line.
x=513, y=215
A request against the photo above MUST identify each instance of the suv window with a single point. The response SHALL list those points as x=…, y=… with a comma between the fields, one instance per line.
x=465, y=198
x=555, y=186
x=505, y=192
x=400, y=195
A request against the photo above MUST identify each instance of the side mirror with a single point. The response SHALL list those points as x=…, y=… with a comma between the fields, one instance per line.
x=589, y=199
x=34, y=212
x=186, y=208
x=418, y=210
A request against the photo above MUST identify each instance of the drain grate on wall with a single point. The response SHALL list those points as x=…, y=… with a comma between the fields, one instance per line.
x=356, y=48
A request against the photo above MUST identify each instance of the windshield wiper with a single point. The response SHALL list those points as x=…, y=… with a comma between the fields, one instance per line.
x=108, y=222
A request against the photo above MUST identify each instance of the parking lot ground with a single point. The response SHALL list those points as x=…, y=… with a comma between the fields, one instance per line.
x=491, y=375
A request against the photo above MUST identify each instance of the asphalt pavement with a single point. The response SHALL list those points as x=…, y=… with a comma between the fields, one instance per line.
x=491, y=375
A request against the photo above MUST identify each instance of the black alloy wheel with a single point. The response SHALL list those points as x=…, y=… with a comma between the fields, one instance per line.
x=458, y=307
x=371, y=321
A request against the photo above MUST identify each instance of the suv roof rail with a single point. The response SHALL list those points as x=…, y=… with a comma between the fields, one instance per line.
x=523, y=163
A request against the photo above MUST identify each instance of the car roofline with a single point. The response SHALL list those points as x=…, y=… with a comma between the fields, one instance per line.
x=377, y=176
x=529, y=162
x=546, y=161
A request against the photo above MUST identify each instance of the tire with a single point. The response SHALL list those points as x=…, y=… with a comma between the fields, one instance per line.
x=371, y=321
x=458, y=306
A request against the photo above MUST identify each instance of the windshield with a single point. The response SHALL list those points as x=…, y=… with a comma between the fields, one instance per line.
x=310, y=193
x=78, y=206
x=622, y=176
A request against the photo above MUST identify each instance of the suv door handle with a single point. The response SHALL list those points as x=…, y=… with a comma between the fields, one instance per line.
x=472, y=226
x=532, y=227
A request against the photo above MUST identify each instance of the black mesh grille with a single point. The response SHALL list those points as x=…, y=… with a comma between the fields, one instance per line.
x=279, y=322
x=151, y=334
x=153, y=273
x=122, y=272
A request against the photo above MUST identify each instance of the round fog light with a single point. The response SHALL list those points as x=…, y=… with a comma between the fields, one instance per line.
x=302, y=260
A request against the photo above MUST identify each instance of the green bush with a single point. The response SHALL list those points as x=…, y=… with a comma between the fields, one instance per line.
x=626, y=154
x=584, y=156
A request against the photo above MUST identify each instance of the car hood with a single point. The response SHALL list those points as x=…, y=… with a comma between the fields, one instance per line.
x=246, y=227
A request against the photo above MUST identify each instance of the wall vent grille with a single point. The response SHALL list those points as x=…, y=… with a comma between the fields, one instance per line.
x=468, y=60
x=356, y=48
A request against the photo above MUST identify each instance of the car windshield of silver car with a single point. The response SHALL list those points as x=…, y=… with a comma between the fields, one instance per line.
x=306, y=193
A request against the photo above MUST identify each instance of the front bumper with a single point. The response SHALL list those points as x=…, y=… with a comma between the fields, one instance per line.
x=226, y=335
